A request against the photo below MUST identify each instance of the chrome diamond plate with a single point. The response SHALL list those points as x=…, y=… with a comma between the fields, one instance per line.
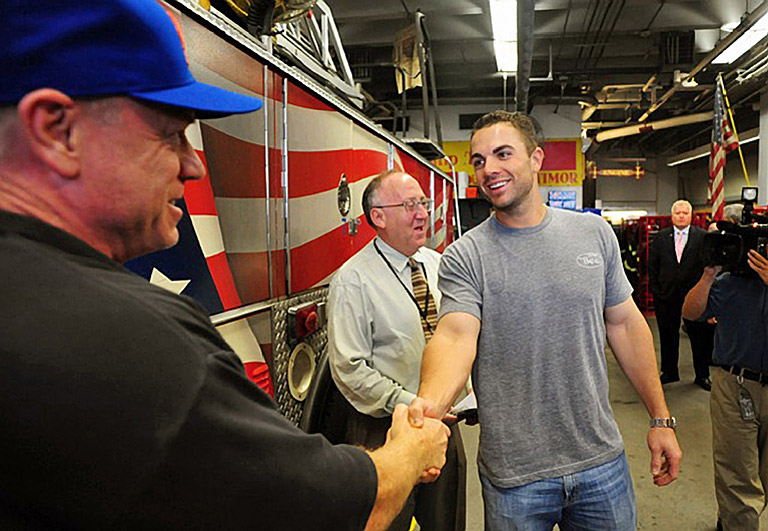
x=291, y=408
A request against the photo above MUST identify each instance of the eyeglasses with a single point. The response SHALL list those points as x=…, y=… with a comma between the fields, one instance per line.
x=410, y=205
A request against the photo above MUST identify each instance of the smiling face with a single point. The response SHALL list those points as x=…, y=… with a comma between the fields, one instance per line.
x=505, y=169
x=136, y=161
x=404, y=231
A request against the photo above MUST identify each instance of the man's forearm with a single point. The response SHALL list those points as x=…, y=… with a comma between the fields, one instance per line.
x=443, y=378
x=409, y=453
x=397, y=476
x=632, y=344
x=696, y=299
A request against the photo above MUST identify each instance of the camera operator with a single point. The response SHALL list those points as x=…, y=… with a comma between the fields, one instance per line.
x=739, y=401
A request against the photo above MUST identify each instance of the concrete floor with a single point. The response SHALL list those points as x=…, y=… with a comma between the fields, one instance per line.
x=686, y=505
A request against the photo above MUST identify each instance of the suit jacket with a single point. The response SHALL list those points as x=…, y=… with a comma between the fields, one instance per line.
x=669, y=279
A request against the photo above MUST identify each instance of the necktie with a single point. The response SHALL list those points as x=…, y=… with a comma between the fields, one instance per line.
x=419, y=283
x=679, y=246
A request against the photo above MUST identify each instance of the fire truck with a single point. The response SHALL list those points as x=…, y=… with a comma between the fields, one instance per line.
x=279, y=210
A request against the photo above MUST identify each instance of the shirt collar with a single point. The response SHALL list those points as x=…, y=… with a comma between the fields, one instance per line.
x=398, y=260
x=684, y=231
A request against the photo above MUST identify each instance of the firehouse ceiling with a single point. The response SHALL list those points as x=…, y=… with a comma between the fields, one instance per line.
x=623, y=61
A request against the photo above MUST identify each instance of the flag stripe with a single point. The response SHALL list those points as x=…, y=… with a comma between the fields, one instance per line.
x=318, y=258
x=723, y=142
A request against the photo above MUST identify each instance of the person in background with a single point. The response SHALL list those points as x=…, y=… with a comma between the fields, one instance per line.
x=674, y=266
x=382, y=308
x=528, y=299
x=739, y=401
x=731, y=213
x=122, y=406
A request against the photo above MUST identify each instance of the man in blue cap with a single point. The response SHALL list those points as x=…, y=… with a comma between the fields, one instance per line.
x=122, y=407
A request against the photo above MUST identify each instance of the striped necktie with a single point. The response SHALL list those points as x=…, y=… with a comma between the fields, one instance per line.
x=419, y=283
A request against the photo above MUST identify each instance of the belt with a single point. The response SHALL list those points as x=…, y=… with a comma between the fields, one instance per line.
x=759, y=377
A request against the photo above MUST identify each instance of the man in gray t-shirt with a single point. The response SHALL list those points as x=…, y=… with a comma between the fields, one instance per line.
x=528, y=299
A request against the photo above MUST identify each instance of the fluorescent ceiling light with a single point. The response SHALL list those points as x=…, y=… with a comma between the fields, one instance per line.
x=504, y=20
x=504, y=24
x=506, y=56
x=741, y=45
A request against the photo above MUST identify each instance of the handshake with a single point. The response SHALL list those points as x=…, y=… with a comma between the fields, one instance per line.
x=420, y=441
x=413, y=453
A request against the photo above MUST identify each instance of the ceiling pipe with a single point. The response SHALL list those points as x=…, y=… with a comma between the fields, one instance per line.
x=747, y=23
x=610, y=31
x=649, y=83
x=653, y=126
x=599, y=125
x=524, y=53
x=589, y=110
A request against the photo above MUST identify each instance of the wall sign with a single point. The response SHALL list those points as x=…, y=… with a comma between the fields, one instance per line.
x=563, y=161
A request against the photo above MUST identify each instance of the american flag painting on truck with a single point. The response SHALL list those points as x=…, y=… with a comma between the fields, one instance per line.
x=262, y=232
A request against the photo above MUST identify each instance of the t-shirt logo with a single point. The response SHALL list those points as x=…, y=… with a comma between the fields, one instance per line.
x=589, y=260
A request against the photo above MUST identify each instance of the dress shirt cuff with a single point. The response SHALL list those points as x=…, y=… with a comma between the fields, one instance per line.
x=403, y=397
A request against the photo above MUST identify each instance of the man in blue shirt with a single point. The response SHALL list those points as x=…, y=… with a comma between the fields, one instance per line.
x=739, y=402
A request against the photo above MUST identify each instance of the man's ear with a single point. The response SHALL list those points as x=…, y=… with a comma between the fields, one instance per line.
x=537, y=158
x=48, y=118
x=378, y=218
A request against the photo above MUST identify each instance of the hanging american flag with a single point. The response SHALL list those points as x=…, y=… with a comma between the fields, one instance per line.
x=723, y=142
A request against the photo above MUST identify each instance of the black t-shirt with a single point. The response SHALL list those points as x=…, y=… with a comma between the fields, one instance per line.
x=121, y=407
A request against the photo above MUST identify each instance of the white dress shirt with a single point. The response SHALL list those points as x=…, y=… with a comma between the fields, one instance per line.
x=375, y=336
x=685, y=232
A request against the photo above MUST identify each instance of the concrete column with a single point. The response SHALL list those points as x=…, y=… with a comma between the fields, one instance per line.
x=762, y=161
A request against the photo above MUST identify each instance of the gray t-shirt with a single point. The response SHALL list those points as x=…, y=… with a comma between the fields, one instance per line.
x=540, y=374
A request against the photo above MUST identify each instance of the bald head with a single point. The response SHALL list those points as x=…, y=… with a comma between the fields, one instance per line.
x=398, y=209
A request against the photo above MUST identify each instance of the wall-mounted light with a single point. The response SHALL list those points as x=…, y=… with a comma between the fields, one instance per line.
x=504, y=25
x=740, y=46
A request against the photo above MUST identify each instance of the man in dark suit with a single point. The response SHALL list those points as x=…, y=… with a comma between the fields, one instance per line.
x=674, y=267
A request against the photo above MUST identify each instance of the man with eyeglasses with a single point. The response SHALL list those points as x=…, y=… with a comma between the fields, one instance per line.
x=382, y=309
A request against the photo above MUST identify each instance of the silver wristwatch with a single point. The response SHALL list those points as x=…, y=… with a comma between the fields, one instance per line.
x=661, y=422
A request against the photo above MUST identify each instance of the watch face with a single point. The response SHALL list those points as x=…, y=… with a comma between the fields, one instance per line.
x=663, y=423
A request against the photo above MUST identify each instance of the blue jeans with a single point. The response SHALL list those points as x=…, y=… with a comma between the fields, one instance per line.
x=596, y=499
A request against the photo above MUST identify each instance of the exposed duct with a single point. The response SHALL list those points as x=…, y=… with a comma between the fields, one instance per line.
x=525, y=17
x=735, y=34
x=653, y=126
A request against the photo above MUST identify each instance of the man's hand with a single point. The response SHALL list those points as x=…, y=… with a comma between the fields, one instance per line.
x=759, y=264
x=712, y=271
x=410, y=455
x=665, y=455
x=429, y=440
x=421, y=408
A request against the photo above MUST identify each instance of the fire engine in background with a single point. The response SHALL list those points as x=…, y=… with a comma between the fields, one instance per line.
x=279, y=210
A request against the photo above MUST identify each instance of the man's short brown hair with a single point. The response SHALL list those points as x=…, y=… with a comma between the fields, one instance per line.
x=533, y=135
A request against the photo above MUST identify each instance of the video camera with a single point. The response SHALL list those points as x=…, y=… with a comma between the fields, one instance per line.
x=729, y=246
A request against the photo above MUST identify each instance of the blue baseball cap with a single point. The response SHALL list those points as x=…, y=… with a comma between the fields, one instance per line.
x=101, y=48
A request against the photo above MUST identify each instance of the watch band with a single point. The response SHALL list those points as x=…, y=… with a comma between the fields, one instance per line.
x=663, y=422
